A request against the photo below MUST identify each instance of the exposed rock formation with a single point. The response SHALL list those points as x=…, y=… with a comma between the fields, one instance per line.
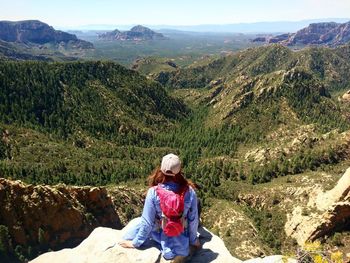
x=34, y=31
x=325, y=213
x=102, y=247
x=53, y=216
x=346, y=96
x=331, y=34
x=137, y=33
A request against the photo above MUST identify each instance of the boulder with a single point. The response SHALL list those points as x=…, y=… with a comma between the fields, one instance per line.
x=102, y=247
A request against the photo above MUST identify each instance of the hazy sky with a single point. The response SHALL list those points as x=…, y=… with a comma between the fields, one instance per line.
x=170, y=12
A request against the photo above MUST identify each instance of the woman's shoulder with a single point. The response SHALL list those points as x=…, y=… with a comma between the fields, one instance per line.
x=151, y=191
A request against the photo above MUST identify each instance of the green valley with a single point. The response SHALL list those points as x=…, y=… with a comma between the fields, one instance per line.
x=244, y=125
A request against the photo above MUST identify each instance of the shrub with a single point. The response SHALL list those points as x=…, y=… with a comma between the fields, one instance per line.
x=4, y=242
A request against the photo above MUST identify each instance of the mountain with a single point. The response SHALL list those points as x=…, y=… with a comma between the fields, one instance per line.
x=137, y=33
x=261, y=131
x=257, y=27
x=99, y=112
x=12, y=51
x=255, y=95
x=35, y=40
x=34, y=31
x=329, y=34
x=95, y=97
x=329, y=65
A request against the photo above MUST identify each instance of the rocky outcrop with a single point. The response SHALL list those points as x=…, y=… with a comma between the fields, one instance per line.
x=34, y=31
x=52, y=217
x=137, y=33
x=330, y=34
x=346, y=96
x=324, y=214
x=109, y=36
x=102, y=247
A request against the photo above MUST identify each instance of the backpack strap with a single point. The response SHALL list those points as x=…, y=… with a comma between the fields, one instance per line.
x=184, y=190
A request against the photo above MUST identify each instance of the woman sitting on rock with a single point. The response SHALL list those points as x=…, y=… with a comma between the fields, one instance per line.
x=170, y=213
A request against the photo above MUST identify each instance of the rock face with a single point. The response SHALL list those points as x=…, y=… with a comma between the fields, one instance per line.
x=137, y=33
x=330, y=34
x=33, y=31
x=326, y=213
x=53, y=216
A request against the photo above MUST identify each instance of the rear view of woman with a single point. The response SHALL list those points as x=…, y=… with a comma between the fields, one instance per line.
x=170, y=213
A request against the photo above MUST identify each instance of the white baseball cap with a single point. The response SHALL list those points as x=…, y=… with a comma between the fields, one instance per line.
x=171, y=165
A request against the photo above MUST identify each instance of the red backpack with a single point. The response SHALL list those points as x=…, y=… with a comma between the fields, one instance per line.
x=172, y=205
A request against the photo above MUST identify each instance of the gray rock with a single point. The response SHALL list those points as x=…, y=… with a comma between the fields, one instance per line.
x=102, y=247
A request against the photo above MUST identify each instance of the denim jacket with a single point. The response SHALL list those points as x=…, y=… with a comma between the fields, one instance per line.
x=148, y=228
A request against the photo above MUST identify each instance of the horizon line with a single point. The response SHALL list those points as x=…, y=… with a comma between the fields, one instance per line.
x=205, y=24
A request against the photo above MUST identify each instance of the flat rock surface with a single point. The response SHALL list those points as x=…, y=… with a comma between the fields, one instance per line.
x=102, y=247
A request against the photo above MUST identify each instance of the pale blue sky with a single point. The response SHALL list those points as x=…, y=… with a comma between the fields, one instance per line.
x=64, y=13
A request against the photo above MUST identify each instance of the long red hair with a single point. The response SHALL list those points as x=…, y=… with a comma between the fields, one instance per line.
x=158, y=177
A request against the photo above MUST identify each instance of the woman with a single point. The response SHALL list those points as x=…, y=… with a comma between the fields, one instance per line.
x=174, y=242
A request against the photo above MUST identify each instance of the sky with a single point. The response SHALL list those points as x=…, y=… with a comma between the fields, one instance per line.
x=70, y=13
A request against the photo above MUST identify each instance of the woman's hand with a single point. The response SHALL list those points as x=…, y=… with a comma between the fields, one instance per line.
x=126, y=244
x=197, y=244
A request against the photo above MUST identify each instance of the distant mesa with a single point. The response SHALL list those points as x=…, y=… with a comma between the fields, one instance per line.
x=328, y=34
x=37, y=32
x=137, y=33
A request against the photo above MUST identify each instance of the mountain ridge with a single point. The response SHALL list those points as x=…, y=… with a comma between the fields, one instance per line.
x=136, y=33
x=37, y=32
x=321, y=61
x=253, y=27
x=326, y=33
x=111, y=84
x=35, y=40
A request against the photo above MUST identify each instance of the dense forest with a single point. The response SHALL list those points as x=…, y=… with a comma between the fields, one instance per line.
x=98, y=123
x=251, y=117
x=331, y=66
